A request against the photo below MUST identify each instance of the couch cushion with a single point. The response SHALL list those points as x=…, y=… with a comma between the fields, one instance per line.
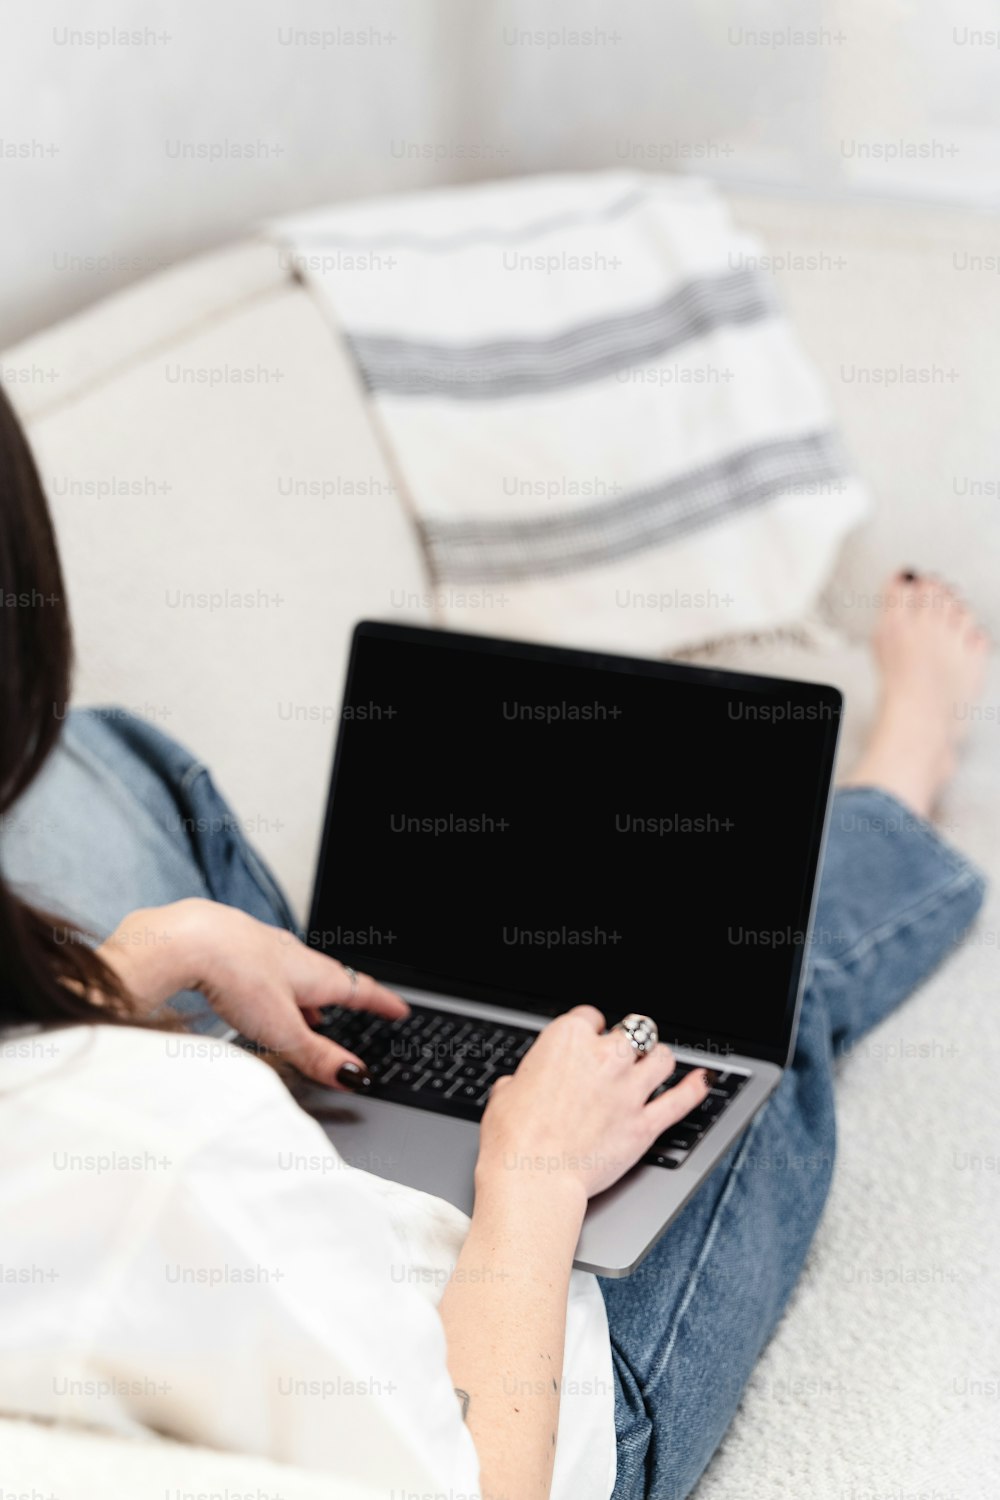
x=57, y=365
x=880, y=294
x=215, y=493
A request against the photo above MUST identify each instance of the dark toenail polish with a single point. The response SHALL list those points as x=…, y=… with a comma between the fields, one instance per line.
x=354, y=1077
x=908, y=575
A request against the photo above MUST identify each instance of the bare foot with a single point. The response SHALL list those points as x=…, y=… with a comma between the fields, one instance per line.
x=932, y=656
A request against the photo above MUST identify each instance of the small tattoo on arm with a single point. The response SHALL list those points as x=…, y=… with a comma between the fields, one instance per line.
x=464, y=1398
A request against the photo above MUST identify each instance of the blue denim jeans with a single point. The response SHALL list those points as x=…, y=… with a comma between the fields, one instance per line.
x=123, y=817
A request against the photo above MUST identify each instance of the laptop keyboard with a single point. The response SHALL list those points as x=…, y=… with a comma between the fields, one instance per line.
x=447, y=1063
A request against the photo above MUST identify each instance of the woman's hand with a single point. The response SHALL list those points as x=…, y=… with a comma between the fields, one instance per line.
x=576, y=1110
x=260, y=979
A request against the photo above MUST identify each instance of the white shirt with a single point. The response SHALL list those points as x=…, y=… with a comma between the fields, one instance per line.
x=184, y=1250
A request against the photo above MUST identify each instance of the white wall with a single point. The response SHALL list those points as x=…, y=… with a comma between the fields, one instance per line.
x=98, y=184
x=106, y=194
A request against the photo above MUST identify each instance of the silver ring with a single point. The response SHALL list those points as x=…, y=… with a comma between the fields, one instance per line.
x=352, y=975
x=641, y=1032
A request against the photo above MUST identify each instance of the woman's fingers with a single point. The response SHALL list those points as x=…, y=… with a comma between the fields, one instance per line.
x=653, y=1069
x=319, y=1058
x=368, y=994
x=588, y=1013
x=319, y=980
x=669, y=1107
x=277, y=1023
x=649, y=1068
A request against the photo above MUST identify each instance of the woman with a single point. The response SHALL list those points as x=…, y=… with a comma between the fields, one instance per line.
x=184, y=1250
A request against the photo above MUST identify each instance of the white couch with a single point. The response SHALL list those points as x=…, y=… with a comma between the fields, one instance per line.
x=882, y=1379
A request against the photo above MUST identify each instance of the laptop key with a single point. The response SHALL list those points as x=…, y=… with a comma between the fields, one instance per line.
x=729, y=1083
x=468, y=1093
x=680, y=1071
x=710, y=1108
x=436, y=1063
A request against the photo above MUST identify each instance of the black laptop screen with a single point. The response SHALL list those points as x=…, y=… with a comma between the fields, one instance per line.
x=543, y=828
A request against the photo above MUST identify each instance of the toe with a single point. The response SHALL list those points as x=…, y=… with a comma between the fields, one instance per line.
x=957, y=612
x=934, y=594
x=900, y=588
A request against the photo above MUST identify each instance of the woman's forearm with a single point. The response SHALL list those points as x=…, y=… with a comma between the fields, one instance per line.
x=504, y=1313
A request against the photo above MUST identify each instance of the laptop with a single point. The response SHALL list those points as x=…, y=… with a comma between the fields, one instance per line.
x=514, y=829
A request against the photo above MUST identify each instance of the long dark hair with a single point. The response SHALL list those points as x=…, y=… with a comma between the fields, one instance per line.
x=49, y=974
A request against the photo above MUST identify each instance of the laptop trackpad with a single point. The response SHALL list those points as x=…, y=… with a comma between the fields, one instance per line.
x=435, y=1153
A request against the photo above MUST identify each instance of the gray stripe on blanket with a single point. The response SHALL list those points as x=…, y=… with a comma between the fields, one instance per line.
x=521, y=367
x=523, y=548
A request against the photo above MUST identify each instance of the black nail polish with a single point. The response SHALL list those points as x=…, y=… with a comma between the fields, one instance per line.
x=352, y=1076
x=908, y=575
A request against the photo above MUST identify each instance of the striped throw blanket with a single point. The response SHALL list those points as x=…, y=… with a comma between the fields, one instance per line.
x=603, y=425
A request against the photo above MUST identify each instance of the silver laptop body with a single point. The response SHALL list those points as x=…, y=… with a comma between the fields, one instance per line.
x=436, y=1152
